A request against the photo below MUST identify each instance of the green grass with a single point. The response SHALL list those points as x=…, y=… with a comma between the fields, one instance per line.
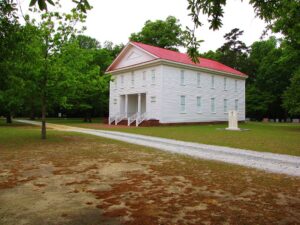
x=71, y=120
x=281, y=138
x=18, y=134
x=271, y=137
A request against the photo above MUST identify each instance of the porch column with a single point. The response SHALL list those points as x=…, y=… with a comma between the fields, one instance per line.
x=139, y=104
x=126, y=106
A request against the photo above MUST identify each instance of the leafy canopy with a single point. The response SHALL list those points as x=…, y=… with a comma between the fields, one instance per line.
x=161, y=33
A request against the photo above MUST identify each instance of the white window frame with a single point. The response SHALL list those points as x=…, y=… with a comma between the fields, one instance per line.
x=153, y=77
x=182, y=78
x=236, y=104
x=132, y=79
x=212, y=82
x=235, y=85
x=199, y=104
x=225, y=83
x=213, y=105
x=182, y=104
x=199, y=80
x=225, y=106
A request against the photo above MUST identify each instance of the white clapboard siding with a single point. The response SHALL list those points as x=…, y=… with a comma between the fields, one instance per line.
x=163, y=97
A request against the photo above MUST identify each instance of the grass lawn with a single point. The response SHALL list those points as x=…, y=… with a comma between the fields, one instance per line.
x=80, y=179
x=71, y=121
x=269, y=137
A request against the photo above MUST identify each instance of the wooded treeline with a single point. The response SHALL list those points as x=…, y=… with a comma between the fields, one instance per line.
x=49, y=67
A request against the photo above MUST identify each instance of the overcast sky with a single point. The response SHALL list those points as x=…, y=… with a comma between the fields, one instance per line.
x=115, y=20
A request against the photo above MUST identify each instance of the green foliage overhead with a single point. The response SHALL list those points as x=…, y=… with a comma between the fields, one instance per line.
x=161, y=33
x=82, y=5
x=282, y=16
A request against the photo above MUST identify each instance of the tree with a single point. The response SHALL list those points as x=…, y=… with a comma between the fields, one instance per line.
x=233, y=52
x=88, y=86
x=165, y=34
x=113, y=50
x=52, y=84
x=86, y=42
x=82, y=5
x=31, y=64
x=12, y=42
x=291, y=97
x=211, y=55
x=282, y=16
x=274, y=63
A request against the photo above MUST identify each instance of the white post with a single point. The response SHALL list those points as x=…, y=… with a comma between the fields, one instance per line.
x=139, y=104
x=126, y=106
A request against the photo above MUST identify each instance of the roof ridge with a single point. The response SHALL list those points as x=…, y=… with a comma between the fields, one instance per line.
x=153, y=46
x=179, y=57
x=186, y=54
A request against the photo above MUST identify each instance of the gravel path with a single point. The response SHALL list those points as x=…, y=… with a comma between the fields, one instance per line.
x=271, y=162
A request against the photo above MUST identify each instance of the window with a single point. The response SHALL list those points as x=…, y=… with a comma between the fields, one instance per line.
x=236, y=104
x=153, y=76
x=199, y=104
x=153, y=99
x=115, y=101
x=235, y=85
x=225, y=83
x=144, y=78
x=182, y=77
x=212, y=82
x=182, y=104
x=198, y=80
x=225, y=106
x=132, y=79
x=212, y=105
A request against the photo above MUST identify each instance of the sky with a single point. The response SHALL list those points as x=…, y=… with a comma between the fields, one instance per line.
x=115, y=20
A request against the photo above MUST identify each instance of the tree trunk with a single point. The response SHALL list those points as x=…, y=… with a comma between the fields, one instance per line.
x=44, y=115
x=44, y=88
x=8, y=118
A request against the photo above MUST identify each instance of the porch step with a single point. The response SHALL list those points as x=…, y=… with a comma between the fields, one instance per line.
x=149, y=123
x=123, y=122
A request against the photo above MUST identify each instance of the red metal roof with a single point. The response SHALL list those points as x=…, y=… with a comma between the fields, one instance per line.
x=184, y=58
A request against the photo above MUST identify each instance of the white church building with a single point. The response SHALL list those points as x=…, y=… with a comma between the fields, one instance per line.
x=152, y=85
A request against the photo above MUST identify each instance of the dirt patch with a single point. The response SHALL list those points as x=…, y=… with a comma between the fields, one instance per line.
x=89, y=180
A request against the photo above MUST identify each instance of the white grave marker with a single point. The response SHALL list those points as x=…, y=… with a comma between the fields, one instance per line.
x=232, y=120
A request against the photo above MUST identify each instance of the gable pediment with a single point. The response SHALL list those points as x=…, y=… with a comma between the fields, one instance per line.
x=133, y=55
x=130, y=56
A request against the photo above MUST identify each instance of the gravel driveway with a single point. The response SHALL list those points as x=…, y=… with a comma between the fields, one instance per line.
x=271, y=162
